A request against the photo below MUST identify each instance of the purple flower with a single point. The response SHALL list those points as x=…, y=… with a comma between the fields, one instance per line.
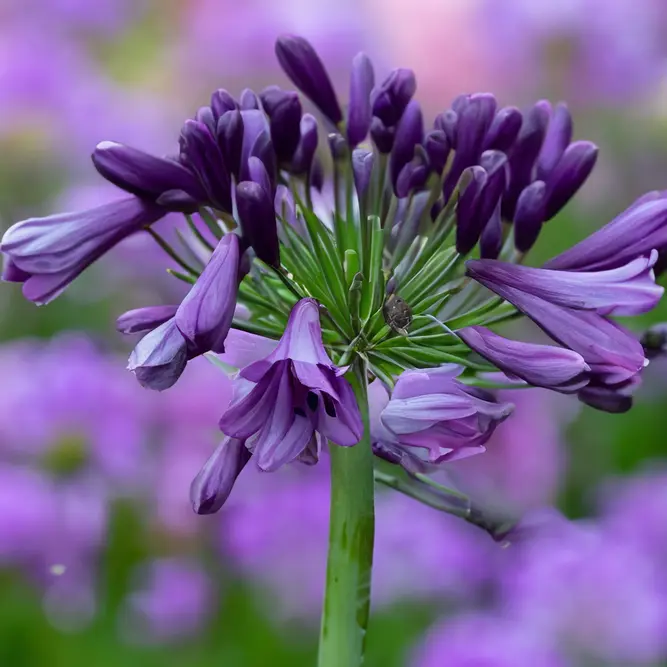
x=212, y=486
x=284, y=111
x=142, y=320
x=142, y=174
x=303, y=66
x=635, y=232
x=626, y=290
x=54, y=250
x=409, y=133
x=612, y=353
x=297, y=392
x=359, y=113
x=205, y=314
x=392, y=96
x=258, y=221
x=160, y=357
x=433, y=410
x=539, y=365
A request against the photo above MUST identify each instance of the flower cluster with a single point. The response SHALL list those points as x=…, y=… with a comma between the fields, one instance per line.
x=393, y=267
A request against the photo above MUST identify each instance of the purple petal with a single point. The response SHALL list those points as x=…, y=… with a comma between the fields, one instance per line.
x=258, y=221
x=64, y=245
x=284, y=111
x=221, y=102
x=247, y=415
x=140, y=173
x=529, y=215
x=638, y=230
x=392, y=96
x=346, y=428
x=504, y=129
x=302, y=160
x=437, y=148
x=229, y=133
x=205, y=314
x=160, y=357
x=491, y=238
x=303, y=66
x=409, y=133
x=243, y=348
x=141, y=320
x=557, y=139
x=214, y=482
x=359, y=113
x=569, y=175
x=362, y=168
x=302, y=341
x=468, y=224
x=627, y=290
x=539, y=365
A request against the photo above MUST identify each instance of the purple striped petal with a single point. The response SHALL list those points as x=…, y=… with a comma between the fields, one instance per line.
x=627, y=290
x=142, y=174
x=557, y=139
x=539, y=365
x=141, y=320
x=160, y=357
x=205, y=314
x=214, y=482
x=303, y=66
x=359, y=112
x=638, y=230
x=56, y=249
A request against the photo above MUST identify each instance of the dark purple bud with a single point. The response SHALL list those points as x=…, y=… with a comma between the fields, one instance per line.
x=654, y=341
x=437, y=149
x=337, y=146
x=229, y=133
x=496, y=165
x=248, y=100
x=468, y=224
x=391, y=286
x=474, y=119
x=212, y=486
x=409, y=133
x=362, y=169
x=221, y=102
x=142, y=174
x=303, y=66
x=258, y=221
x=359, y=112
x=142, y=320
x=305, y=150
x=258, y=174
x=160, y=357
x=529, y=215
x=391, y=98
x=412, y=177
x=557, y=139
x=447, y=121
x=569, y=175
x=383, y=137
x=284, y=111
x=504, y=129
x=203, y=155
x=524, y=154
x=177, y=200
x=205, y=314
x=491, y=239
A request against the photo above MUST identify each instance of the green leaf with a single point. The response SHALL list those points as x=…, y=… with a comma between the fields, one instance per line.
x=374, y=287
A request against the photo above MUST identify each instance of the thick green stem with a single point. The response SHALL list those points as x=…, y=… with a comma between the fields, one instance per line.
x=351, y=531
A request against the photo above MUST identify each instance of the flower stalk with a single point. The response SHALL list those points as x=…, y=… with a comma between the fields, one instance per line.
x=351, y=530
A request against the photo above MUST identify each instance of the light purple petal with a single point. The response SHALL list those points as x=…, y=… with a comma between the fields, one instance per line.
x=626, y=290
x=141, y=320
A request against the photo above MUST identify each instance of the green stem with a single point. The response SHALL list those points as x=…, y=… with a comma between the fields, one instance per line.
x=351, y=530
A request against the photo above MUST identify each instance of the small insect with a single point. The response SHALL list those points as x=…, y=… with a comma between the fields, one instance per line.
x=397, y=314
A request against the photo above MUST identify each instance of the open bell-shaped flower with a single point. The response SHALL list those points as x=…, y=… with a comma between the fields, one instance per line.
x=298, y=390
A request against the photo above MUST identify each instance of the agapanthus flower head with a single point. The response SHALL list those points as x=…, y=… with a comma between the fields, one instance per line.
x=393, y=267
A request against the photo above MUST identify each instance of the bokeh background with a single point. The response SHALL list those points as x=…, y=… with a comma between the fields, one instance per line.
x=102, y=561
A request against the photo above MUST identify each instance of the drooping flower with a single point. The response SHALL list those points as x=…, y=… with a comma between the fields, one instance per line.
x=434, y=411
x=298, y=391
